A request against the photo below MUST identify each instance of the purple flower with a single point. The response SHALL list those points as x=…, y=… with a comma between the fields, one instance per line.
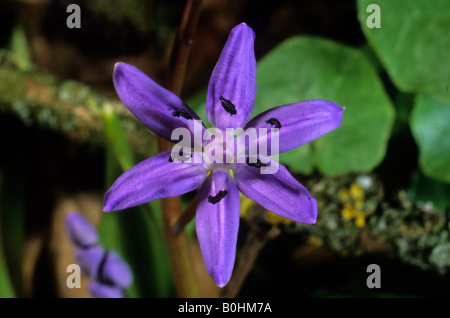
x=109, y=274
x=114, y=276
x=90, y=259
x=229, y=104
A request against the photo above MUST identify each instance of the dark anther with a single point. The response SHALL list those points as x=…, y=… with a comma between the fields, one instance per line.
x=218, y=197
x=180, y=153
x=228, y=106
x=257, y=164
x=181, y=112
x=275, y=122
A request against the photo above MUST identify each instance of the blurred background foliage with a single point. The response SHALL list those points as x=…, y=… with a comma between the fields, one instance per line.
x=381, y=179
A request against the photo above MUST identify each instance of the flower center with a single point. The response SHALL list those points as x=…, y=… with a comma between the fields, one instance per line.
x=222, y=150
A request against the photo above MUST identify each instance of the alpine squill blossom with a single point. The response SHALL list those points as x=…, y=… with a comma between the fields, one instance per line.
x=229, y=104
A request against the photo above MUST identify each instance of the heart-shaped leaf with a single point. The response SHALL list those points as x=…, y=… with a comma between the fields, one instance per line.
x=303, y=68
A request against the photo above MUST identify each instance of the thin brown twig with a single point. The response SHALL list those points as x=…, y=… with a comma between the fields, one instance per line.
x=182, y=46
x=247, y=257
x=257, y=237
x=186, y=216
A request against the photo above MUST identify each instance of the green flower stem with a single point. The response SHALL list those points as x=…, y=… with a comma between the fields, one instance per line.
x=178, y=247
x=6, y=287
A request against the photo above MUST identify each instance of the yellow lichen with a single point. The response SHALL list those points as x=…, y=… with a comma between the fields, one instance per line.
x=360, y=219
x=353, y=204
x=246, y=205
x=273, y=218
x=269, y=217
x=314, y=240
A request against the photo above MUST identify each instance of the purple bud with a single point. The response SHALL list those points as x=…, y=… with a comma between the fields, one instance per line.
x=99, y=290
x=80, y=231
x=116, y=271
x=90, y=259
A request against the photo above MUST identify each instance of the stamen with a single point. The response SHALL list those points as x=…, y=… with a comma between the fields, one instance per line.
x=101, y=268
x=180, y=153
x=181, y=112
x=228, y=106
x=218, y=197
x=257, y=164
x=275, y=122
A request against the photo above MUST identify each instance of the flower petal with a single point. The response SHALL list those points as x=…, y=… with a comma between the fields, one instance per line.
x=99, y=290
x=217, y=225
x=90, y=259
x=278, y=192
x=116, y=271
x=152, y=179
x=232, y=87
x=80, y=231
x=156, y=107
x=298, y=123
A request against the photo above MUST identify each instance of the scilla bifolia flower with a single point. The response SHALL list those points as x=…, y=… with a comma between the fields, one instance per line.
x=108, y=273
x=229, y=104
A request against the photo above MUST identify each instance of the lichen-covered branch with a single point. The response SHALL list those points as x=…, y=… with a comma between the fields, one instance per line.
x=355, y=219
x=67, y=107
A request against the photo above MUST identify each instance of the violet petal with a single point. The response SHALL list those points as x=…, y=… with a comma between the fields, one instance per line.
x=156, y=107
x=280, y=193
x=152, y=179
x=299, y=123
x=232, y=87
x=217, y=224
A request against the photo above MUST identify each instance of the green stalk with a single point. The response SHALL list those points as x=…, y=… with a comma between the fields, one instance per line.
x=136, y=233
x=6, y=288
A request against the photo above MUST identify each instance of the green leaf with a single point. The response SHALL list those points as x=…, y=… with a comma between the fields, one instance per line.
x=303, y=68
x=134, y=236
x=116, y=137
x=19, y=44
x=12, y=214
x=136, y=233
x=300, y=159
x=198, y=103
x=431, y=130
x=425, y=191
x=6, y=288
x=412, y=42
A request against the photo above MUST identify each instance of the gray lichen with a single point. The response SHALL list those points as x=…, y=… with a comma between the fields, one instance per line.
x=66, y=107
x=410, y=234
